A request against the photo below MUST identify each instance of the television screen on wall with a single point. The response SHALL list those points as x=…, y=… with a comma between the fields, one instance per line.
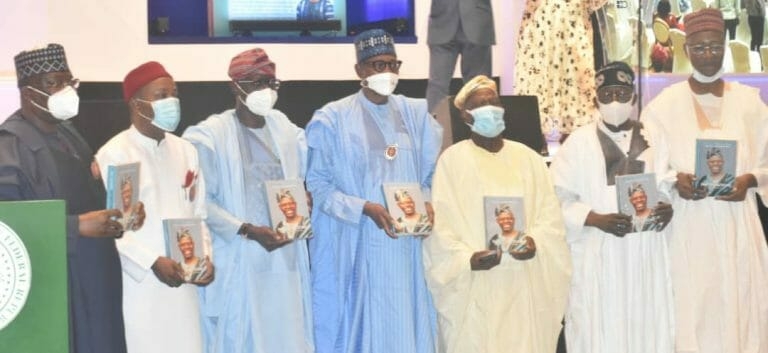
x=177, y=21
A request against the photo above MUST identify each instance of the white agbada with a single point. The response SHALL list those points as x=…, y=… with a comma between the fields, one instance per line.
x=516, y=306
x=718, y=253
x=620, y=298
x=158, y=318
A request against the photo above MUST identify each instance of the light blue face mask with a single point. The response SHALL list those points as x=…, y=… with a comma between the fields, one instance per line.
x=489, y=121
x=167, y=113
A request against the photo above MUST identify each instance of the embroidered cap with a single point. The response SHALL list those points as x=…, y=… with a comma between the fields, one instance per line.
x=616, y=73
x=478, y=82
x=40, y=61
x=373, y=42
x=707, y=19
x=249, y=62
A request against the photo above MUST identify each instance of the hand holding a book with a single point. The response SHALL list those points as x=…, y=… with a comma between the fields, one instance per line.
x=685, y=189
x=740, y=186
x=381, y=217
x=100, y=224
x=265, y=236
x=137, y=217
x=529, y=252
x=615, y=223
x=663, y=214
x=206, y=278
x=168, y=271
x=485, y=260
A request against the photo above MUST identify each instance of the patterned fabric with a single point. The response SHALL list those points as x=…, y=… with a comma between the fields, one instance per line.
x=249, y=62
x=615, y=74
x=40, y=61
x=704, y=20
x=555, y=62
x=473, y=85
x=374, y=42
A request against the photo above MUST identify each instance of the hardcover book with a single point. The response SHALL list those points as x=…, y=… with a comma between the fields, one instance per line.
x=504, y=223
x=288, y=208
x=123, y=191
x=406, y=206
x=637, y=196
x=184, y=244
x=715, y=166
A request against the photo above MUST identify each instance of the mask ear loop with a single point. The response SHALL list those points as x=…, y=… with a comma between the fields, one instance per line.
x=35, y=103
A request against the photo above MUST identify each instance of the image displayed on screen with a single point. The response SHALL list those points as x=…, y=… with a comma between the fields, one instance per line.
x=279, y=17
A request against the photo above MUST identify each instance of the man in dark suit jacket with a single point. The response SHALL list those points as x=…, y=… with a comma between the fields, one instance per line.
x=458, y=27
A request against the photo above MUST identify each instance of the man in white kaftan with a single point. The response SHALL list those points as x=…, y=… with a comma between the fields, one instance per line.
x=260, y=301
x=161, y=312
x=719, y=259
x=620, y=298
x=368, y=290
x=515, y=304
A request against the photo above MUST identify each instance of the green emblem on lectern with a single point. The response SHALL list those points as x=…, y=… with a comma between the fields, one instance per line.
x=15, y=275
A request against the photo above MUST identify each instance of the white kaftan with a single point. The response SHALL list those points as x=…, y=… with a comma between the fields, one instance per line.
x=620, y=298
x=158, y=318
x=516, y=306
x=719, y=259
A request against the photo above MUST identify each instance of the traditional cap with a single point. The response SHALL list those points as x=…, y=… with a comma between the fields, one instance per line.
x=503, y=209
x=714, y=151
x=470, y=87
x=616, y=73
x=40, y=61
x=373, y=42
x=283, y=193
x=141, y=76
x=183, y=233
x=249, y=62
x=635, y=188
x=707, y=19
x=402, y=194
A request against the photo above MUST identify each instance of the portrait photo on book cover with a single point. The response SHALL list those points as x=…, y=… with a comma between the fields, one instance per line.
x=637, y=196
x=123, y=191
x=184, y=242
x=406, y=206
x=288, y=208
x=715, y=166
x=505, y=223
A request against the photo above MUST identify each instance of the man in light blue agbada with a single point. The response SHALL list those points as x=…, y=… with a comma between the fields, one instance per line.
x=368, y=288
x=260, y=301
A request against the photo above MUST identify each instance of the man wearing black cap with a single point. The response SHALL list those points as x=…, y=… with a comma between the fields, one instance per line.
x=719, y=258
x=618, y=274
x=368, y=287
x=43, y=157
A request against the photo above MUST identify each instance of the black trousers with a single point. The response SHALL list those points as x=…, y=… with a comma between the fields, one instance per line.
x=730, y=25
x=756, y=29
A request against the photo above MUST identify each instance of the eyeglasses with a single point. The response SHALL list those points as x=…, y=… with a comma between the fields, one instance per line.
x=621, y=94
x=714, y=49
x=257, y=85
x=53, y=85
x=380, y=65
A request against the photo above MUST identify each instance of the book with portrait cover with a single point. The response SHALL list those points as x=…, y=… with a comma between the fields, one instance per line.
x=184, y=244
x=504, y=223
x=637, y=195
x=288, y=208
x=123, y=191
x=406, y=206
x=715, y=166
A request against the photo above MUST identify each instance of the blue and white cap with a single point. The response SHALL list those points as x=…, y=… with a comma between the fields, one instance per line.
x=373, y=42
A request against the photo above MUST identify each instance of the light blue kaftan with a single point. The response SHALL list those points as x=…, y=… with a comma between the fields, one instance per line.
x=369, y=294
x=259, y=301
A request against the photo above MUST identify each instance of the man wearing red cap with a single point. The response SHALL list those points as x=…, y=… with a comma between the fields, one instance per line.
x=161, y=311
x=260, y=302
x=718, y=255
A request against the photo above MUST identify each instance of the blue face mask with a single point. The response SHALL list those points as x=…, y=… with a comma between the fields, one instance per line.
x=489, y=121
x=167, y=113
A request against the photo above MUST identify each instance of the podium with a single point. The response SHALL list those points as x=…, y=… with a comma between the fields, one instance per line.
x=33, y=277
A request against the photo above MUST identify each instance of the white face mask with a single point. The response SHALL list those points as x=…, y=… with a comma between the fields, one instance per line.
x=261, y=102
x=698, y=76
x=615, y=113
x=382, y=83
x=62, y=105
